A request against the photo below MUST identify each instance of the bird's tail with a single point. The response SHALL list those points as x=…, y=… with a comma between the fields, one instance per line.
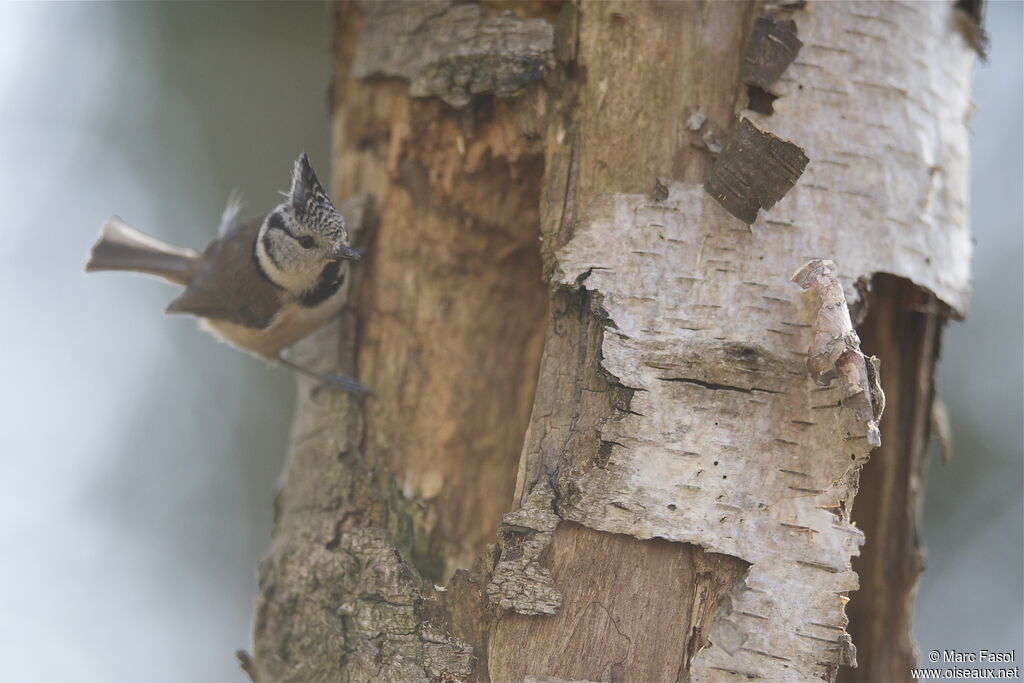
x=122, y=247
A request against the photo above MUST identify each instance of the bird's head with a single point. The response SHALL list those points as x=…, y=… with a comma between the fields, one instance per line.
x=303, y=240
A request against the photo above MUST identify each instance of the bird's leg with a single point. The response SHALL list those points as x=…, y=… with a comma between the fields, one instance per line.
x=336, y=381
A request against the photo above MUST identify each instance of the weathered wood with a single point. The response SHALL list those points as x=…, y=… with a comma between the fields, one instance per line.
x=451, y=324
x=633, y=611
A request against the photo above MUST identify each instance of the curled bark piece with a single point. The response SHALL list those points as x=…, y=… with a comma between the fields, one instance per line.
x=847, y=651
x=247, y=665
x=773, y=46
x=660, y=191
x=452, y=50
x=754, y=171
x=519, y=582
x=968, y=16
x=941, y=429
x=835, y=350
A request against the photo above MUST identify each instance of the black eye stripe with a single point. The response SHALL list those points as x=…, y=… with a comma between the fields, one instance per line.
x=268, y=247
x=275, y=222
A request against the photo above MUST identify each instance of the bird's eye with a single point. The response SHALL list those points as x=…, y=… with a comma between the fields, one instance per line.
x=307, y=242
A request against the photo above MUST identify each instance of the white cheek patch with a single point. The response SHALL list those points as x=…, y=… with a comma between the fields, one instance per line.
x=296, y=279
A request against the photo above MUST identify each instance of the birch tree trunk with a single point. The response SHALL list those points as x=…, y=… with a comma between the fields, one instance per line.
x=610, y=440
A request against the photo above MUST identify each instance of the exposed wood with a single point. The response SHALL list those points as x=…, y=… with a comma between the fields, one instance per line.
x=633, y=611
x=451, y=321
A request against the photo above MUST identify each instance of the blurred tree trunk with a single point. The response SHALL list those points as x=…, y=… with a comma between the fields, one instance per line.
x=596, y=449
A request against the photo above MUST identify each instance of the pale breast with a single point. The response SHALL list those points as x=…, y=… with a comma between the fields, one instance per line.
x=292, y=323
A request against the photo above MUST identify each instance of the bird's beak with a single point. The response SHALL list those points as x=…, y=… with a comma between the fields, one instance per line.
x=344, y=252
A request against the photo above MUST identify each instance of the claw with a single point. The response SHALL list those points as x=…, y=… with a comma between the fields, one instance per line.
x=344, y=383
x=340, y=382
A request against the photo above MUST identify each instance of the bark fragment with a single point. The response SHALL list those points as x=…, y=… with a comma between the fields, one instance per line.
x=519, y=581
x=835, y=350
x=773, y=46
x=755, y=170
x=969, y=19
x=941, y=428
x=451, y=50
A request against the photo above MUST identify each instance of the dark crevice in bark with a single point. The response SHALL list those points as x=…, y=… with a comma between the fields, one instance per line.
x=902, y=327
x=718, y=387
x=760, y=100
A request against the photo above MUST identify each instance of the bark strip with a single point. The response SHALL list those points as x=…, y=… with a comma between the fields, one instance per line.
x=773, y=46
x=754, y=171
x=835, y=350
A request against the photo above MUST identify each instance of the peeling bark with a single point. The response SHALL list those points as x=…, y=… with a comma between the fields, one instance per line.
x=754, y=171
x=744, y=455
x=772, y=47
x=835, y=350
x=519, y=582
x=608, y=455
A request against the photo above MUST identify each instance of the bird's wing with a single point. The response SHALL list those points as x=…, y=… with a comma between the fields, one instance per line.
x=229, y=285
x=204, y=304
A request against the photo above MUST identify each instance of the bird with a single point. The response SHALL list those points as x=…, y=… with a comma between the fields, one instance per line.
x=262, y=284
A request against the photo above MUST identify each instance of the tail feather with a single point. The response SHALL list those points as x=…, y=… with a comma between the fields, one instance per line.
x=122, y=247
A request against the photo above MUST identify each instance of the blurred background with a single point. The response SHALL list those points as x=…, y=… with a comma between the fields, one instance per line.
x=139, y=459
x=971, y=595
